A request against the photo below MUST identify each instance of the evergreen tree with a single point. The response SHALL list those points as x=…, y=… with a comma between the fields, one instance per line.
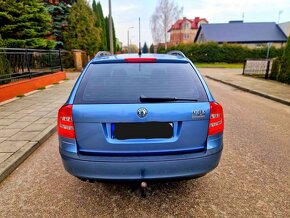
x=59, y=13
x=108, y=34
x=145, y=48
x=100, y=23
x=152, y=48
x=25, y=23
x=284, y=75
x=81, y=32
x=118, y=49
x=114, y=36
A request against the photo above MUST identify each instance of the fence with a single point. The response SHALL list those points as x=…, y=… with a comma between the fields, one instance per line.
x=17, y=64
x=257, y=67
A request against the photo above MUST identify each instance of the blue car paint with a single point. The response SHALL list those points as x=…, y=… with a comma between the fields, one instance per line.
x=130, y=167
x=138, y=164
x=88, y=125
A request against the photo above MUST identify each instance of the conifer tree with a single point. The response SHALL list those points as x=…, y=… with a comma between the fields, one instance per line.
x=108, y=34
x=59, y=13
x=100, y=23
x=152, y=48
x=81, y=32
x=114, y=36
x=25, y=23
x=145, y=48
x=284, y=75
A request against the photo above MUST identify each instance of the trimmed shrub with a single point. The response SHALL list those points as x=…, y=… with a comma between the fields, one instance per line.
x=212, y=52
x=67, y=59
x=284, y=74
x=275, y=69
x=5, y=70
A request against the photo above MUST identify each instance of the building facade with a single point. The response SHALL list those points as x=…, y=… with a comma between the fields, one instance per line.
x=184, y=30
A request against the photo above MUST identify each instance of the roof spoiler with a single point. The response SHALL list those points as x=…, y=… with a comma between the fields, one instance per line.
x=176, y=53
x=103, y=53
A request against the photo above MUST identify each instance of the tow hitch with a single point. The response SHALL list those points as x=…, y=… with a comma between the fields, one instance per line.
x=143, y=189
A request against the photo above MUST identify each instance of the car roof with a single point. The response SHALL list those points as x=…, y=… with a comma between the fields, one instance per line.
x=121, y=58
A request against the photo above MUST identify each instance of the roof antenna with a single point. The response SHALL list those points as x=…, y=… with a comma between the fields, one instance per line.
x=139, y=39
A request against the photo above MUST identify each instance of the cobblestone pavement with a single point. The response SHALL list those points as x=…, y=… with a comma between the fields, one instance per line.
x=252, y=179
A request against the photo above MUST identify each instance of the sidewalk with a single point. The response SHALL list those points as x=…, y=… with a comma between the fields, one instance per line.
x=266, y=88
x=27, y=122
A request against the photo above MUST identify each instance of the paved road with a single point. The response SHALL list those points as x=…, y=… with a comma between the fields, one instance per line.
x=252, y=179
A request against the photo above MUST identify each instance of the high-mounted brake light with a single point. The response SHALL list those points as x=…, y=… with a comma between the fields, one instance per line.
x=65, y=125
x=216, y=121
x=140, y=60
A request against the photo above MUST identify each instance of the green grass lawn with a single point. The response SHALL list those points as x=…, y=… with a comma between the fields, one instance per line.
x=218, y=65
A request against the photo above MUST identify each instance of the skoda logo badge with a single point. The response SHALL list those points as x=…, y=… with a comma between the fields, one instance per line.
x=142, y=112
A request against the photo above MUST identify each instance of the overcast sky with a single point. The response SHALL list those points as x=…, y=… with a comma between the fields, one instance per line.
x=127, y=12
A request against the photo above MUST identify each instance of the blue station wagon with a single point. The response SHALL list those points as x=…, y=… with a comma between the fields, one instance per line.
x=140, y=117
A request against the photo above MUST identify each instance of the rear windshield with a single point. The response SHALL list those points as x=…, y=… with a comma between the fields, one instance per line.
x=125, y=82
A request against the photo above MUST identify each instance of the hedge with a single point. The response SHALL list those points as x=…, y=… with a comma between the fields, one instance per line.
x=5, y=70
x=275, y=69
x=212, y=52
x=284, y=74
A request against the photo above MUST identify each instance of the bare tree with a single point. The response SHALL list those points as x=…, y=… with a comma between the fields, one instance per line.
x=165, y=14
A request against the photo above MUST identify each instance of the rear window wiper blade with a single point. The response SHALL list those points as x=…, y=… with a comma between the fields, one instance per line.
x=164, y=99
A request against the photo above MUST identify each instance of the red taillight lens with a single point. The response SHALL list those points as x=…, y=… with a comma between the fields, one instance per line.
x=216, y=121
x=140, y=60
x=65, y=125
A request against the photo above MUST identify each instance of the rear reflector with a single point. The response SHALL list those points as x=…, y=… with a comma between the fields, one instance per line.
x=216, y=122
x=65, y=125
x=140, y=60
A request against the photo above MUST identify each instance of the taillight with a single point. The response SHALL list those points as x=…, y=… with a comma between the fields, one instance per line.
x=65, y=125
x=216, y=121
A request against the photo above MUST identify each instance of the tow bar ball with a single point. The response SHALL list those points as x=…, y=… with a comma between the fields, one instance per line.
x=143, y=189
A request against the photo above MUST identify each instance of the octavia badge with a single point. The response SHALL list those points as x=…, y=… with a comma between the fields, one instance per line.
x=142, y=112
x=198, y=113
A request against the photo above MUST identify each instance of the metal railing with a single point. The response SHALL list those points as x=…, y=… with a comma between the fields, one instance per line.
x=17, y=64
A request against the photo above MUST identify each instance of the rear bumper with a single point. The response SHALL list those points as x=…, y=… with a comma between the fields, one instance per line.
x=150, y=167
x=142, y=170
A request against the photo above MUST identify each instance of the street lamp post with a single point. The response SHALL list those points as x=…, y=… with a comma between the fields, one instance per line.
x=279, y=16
x=129, y=38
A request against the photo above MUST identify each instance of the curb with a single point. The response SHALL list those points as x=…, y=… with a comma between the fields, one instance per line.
x=8, y=166
x=27, y=94
x=271, y=97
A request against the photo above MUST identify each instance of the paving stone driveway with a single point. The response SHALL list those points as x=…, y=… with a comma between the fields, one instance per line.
x=27, y=122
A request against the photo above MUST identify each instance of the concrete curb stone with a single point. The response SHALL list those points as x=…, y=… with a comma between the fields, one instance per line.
x=271, y=97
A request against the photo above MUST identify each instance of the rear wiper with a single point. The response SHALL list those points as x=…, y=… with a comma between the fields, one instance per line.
x=163, y=99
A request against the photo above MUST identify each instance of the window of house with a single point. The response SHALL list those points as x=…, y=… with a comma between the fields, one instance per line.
x=185, y=25
x=186, y=36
